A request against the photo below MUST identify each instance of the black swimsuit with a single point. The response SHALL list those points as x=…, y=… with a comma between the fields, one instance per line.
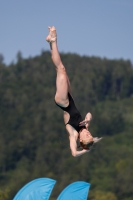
x=75, y=116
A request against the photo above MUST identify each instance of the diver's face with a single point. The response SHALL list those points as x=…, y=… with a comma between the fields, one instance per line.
x=85, y=136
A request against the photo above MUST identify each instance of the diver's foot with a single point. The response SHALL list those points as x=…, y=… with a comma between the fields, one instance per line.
x=52, y=37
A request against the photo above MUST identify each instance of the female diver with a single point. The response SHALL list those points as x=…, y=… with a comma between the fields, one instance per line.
x=75, y=125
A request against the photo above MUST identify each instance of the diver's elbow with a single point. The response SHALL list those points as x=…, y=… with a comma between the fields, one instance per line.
x=74, y=154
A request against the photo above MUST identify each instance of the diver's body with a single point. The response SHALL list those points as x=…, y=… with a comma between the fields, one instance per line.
x=75, y=126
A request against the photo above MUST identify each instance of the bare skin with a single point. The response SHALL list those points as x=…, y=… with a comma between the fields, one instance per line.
x=61, y=97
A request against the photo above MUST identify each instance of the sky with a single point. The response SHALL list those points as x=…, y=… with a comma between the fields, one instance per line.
x=102, y=28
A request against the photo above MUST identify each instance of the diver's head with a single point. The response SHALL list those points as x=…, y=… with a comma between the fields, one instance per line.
x=87, y=140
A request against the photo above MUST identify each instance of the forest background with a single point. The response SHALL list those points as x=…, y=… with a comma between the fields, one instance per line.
x=33, y=139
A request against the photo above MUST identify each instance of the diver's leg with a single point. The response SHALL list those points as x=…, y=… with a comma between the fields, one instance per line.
x=62, y=81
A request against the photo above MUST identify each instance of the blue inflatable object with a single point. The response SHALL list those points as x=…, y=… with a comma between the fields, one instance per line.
x=75, y=191
x=38, y=189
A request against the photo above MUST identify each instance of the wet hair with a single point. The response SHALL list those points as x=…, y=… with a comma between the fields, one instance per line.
x=87, y=146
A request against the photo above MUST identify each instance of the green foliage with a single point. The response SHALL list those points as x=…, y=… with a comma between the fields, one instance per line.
x=96, y=195
x=1, y=58
x=33, y=139
x=4, y=194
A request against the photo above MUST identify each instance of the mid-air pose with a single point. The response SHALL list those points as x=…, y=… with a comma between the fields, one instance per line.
x=75, y=125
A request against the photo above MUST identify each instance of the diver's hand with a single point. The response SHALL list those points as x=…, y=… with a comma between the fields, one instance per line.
x=84, y=122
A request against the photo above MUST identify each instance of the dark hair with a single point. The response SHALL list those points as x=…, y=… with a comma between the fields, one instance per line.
x=87, y=146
